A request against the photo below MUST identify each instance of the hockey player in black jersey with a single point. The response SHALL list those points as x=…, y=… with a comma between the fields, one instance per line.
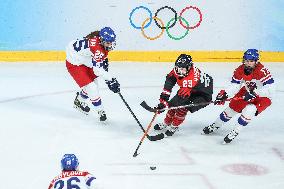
x=195, y=87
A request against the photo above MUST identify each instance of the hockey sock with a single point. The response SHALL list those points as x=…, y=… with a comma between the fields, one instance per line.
x=84, y=94
x=179, y=116
x=247, y=114
x=225, y=116
x=169, y=117
x=97, y=102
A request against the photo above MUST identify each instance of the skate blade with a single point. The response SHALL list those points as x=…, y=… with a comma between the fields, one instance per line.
x=225, y=143
x=77, y=108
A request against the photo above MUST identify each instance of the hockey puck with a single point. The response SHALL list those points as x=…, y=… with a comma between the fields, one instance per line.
x=153, y=168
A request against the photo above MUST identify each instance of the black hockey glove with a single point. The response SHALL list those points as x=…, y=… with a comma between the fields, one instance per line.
x=113, y=85
x=162, y=105
x=221, y=98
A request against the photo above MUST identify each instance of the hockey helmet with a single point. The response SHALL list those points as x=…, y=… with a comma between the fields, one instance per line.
x=250, y=55
x=183, y=61
x=69, y=162
x=108, y=38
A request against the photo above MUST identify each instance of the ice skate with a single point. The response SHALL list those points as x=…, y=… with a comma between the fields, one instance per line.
x=210, y=129
x=230, y=137
x=160, y=126
x=80, y=105
x=102, y=115
x=171, y=130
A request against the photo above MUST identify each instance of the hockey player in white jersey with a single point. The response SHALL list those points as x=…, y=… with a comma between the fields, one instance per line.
x=252, y=88
x=86, y=60
x=71, y=177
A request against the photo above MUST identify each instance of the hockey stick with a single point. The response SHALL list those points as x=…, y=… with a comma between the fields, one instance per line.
x=151, y=138
x=145, y=134
x=150, y=109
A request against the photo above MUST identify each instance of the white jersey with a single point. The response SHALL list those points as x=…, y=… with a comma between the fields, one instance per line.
x=79, y=53
x=88, y=52
x=73, y=179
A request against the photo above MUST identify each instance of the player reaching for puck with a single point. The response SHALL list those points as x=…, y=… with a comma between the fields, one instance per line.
x=196, y=87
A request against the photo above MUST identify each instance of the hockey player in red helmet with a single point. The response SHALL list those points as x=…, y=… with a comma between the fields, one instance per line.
x=252, y=86
x=195, y=87
x=86, y=61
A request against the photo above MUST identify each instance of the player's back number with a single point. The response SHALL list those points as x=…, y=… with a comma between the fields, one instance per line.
x=68, y=184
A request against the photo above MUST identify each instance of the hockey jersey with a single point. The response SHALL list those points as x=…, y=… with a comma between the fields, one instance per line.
x=73, y=179
x=88, y=52
x=195, y=82
x=260, y=77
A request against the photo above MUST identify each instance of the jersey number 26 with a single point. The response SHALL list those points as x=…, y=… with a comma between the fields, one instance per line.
x=69, y=184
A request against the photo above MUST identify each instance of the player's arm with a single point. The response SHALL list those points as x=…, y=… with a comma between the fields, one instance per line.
x=100, y=68
x=267, y=81
x=166, y=93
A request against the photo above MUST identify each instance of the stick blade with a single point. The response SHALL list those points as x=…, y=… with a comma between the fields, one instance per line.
x=147, y=107
x=156, y=137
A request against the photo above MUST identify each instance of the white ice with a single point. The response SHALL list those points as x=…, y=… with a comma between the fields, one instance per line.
x=39, y=125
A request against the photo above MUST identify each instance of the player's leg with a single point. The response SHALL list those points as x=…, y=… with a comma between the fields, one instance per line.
x=248, y=113
x=175, y=101
x=92, y=90
x=177, y=120
x=167, y=121
x=235, y=107
x=224, y=117
x=82, y=75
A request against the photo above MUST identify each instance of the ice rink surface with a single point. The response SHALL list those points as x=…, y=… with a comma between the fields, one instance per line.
x=39, y=125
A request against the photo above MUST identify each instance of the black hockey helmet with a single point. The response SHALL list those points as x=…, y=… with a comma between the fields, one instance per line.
x=183, y=61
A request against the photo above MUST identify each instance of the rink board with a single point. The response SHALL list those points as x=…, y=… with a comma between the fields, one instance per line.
x=142, y=56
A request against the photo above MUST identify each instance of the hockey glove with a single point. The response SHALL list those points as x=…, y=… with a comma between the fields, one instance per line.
x=221, y=98
x=184, y=92
x=251, y=86
x=113, y=85
x=249, y=96
x=162, y=105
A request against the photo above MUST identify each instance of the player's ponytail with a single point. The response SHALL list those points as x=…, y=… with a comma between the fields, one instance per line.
x=92, y=34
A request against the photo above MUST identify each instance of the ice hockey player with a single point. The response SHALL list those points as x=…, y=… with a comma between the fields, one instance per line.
x=251, y=87
x=71, y=177
x=86, y=60
x=195, y=87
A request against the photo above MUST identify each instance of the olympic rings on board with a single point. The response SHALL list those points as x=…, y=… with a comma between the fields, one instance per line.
x=158, y=36
x=171, y=23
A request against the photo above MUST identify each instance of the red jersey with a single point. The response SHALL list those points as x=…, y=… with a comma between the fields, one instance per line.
x=260, y=76
x=194, y=82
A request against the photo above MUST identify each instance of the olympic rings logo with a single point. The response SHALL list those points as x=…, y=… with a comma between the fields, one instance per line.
x=171, y=23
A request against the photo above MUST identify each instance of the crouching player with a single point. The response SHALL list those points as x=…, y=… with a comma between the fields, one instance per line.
x=251, y=87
